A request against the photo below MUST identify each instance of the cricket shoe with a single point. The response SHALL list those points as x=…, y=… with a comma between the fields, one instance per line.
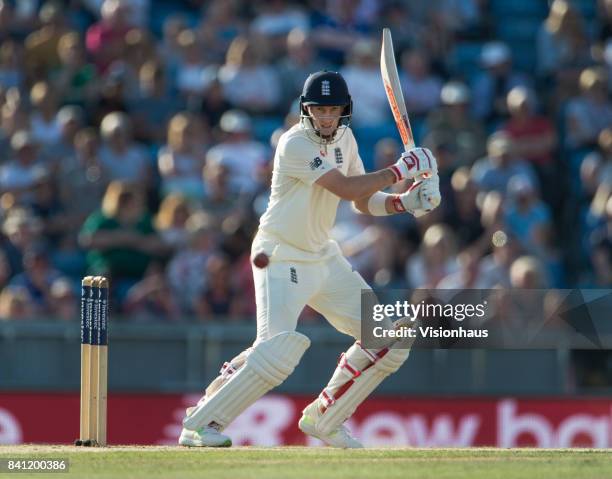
x=341, y=437
x=207, y=436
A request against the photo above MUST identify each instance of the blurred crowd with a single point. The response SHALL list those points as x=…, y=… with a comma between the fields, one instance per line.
x=137, y=138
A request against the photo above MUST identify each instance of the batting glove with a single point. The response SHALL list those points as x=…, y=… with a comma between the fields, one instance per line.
x=421, y=198
x=414, y=163
x=430, y=193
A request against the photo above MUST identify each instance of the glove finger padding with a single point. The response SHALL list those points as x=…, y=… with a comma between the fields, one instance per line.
x=416, y=162
x=429, y=193
x=411, y=199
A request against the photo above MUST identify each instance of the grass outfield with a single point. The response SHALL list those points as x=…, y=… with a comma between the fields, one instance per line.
x=299, y=462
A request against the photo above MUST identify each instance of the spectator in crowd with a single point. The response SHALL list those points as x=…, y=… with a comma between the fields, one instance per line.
x=36, y=280
x=138, y=50
x=41, y=46
x=23, y=231
x=11, y=57
x=463, y=215
x=15, y=304
x=496, y=79
x=595, y=217
x=70, y=119
x=590, y=174
x=153, y=105
x=501, y=164
x=151, y=298
x=168, y=49
x=362, y=70
x=5, y=269
x=600, y=276
x=604, y=153
x=105, y=39
x=43, y=119
x=113, y=95
x=465, y=18
x=136, y=10
x=453, y=125
x=527, y=218
x=120, y=238
x=21, y=174
x=171, y=221
x=527, y=272
x=194, y=74
x=187, y=267
x=220, y=25
x=588, y=114
x=63, y=300
x=82, y=178
x=181, y=160
x=8, y=22
x=603, y=229
x=275, y=19
x=220, y=297
x=421, y=88
x=214, y=103
x=407, y=30
x=45, y=205
x=239, y=152
x=435, y=260
x=533, y=137
x=494, y=268
x=604, y=30
x=562, y=47
x=468, y=276
x=74, y=78
x=15, y=112
x=248, y=82
x=120, y=156
x=299, y=62
x=337, y=27
x=220, y=199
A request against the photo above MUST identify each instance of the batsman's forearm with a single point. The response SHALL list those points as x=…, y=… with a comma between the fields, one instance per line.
x=366, y=185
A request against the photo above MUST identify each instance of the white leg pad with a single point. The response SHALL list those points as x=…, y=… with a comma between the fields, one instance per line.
x=351, y=385
x=267, y=365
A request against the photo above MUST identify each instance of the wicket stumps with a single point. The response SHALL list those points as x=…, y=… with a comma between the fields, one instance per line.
x=94, y=361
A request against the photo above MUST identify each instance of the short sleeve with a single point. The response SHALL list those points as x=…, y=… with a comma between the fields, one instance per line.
x=298, y=159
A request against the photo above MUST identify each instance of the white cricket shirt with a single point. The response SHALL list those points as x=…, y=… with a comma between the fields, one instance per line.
x=300, y=213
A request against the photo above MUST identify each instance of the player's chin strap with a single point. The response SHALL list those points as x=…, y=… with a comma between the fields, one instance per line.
x=360, y=370
x=312, y=133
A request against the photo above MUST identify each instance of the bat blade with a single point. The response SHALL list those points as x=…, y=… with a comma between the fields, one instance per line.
x=393, y=89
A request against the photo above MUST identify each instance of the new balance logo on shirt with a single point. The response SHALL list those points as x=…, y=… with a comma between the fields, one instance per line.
x=293, y=274
x=316, y=163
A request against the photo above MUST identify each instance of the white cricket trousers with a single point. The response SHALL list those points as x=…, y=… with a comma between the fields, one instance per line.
x=331, y=287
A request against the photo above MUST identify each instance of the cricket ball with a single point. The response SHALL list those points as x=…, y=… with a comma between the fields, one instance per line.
x=261, y=260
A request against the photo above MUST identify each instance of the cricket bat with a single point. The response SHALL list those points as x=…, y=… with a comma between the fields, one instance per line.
x=393, y=89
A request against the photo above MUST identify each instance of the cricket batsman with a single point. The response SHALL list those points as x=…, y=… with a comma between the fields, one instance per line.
x=296, y=263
